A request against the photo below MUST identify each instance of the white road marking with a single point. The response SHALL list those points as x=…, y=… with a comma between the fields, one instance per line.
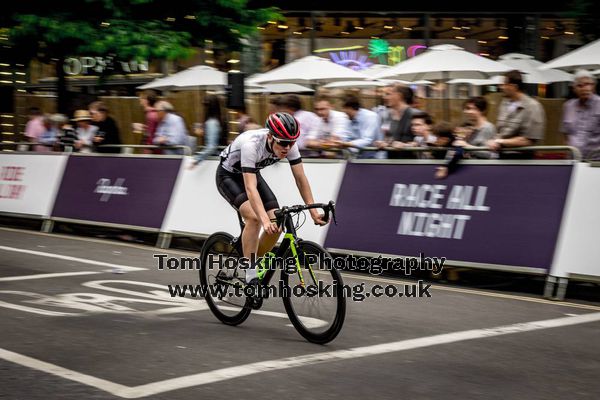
x=434, y=286
x=75, y=259
x=223, y=374
x=363, y=277
x=45, y=276
x=89, y=380
x=107, y=242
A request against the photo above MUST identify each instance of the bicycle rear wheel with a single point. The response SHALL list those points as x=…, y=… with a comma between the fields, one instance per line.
x=219, y=277
x=315, y=302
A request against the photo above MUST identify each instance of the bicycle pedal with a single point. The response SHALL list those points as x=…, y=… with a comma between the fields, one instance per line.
x=257, y=303
x=259, y=292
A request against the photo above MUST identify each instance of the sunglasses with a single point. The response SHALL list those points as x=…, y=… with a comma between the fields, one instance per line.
x=284, y=143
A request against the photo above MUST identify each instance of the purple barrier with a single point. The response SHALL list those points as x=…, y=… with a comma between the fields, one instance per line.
x=120, y=190
x=493, y=214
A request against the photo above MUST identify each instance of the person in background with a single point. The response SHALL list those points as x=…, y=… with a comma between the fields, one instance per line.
x=478, y=130
x=444, y=138
x=214, y=129
x=309, y=122
x=581, y=117
x=382, y=111
x=85, y=131
x=35, y=127
x=66, y=135
x=148, y=101
x=171, y=129
x=245, y=121
x=452, y=154
x=418, y=103
x=364, y=127
x=334, y=125
x=108, y=132
x=50, y=135
x=275, y=104
x=397, y=128
x=521, y=119
x=422, y=129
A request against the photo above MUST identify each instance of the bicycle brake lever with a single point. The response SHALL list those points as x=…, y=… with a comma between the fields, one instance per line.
x=279, y=217
x=331, y=207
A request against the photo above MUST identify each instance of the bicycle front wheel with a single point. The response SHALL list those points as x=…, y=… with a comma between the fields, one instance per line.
x=315, y=301
x=220, y=279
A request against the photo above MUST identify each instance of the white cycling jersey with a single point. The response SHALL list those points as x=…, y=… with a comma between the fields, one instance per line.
x=250, y=152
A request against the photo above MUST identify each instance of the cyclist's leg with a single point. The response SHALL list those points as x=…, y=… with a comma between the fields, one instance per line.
x=232, y=188
x=266, y=241
x=250, y=235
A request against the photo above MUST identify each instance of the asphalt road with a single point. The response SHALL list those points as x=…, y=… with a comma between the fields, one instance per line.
x=71, y=327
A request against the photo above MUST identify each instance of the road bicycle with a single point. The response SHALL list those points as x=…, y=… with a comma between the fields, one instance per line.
x=310, y=286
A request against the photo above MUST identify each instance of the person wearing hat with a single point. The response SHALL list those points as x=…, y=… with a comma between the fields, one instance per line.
x=85, y=131
x=64, y=132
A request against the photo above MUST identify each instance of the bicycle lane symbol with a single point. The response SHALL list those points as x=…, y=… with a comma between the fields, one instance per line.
x=83, y=304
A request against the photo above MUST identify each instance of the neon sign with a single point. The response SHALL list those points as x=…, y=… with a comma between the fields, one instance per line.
x=351, y=59
x=379, y=49
x=412, y=50
x=389, y=55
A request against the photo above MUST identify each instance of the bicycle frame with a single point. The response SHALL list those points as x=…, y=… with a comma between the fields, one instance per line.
x=290, y=241
x=299, y=260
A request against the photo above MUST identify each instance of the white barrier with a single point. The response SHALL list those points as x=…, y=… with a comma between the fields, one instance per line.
x=578, y=250
x=197, y=207
x=28, y=183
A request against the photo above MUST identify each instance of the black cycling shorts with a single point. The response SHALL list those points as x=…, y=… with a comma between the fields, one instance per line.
x=232, y=188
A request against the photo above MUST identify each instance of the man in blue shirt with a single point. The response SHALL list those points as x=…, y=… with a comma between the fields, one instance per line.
x=364, y=127
x=171, y=129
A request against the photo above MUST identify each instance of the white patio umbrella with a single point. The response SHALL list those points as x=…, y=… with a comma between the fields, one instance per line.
x=375, y=69
x=421, y=82
x=445, y=62
x=158, y=84
x=585, y=57
x=373, y=83
x=530, y=68
x=197, y=77
x=279, y=88
x=495, y=80
x=309, y=70
x=355, y=84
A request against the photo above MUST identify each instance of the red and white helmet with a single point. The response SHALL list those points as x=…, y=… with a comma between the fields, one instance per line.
x=283, y=126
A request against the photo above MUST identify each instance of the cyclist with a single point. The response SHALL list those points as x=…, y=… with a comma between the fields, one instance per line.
x=239, y=181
